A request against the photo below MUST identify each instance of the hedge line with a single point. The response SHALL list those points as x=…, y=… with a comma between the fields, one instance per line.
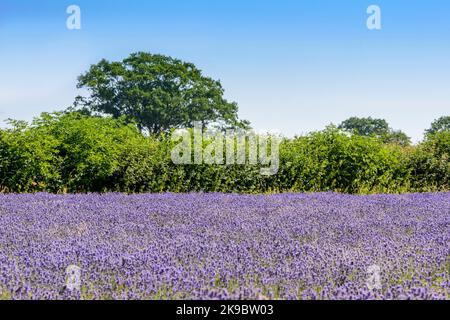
x=62, y=153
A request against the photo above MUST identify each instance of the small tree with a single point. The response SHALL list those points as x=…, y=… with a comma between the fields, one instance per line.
x=157, y=93
x=379, y=128
x=397, y=137
x=365, y=126
x=439, y=125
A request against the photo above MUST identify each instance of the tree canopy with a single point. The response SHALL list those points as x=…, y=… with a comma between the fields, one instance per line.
x=156, y=92
x=439, y=125
x=379, y=128
x=365, y=126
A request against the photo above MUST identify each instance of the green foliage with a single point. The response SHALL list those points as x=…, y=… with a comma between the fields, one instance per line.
x=65, y=153
x=365, y=126
x=157, y=92
x=93, y=151
x=73, y=152
x=397, y=137
x=27, y=159
x=430, y=163
x=333, y=161
x=439, y=125
x=369, y=127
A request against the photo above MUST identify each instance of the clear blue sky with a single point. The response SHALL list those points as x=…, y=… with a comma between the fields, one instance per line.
x=292, y=66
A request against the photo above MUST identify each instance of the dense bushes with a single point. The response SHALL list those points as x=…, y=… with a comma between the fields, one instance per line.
x=75, y=153
x=430, y=163
x=70, y=152
x=28, y=159
x=331, y=160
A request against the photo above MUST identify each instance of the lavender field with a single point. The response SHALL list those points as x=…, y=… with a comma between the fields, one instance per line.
x=217, y=246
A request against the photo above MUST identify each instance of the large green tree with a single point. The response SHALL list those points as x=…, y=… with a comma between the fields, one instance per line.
x=157, y=93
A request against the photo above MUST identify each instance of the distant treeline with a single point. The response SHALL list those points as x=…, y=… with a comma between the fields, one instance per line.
x=72, y=152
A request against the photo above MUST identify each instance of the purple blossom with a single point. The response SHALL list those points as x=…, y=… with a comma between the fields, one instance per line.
x=223, y=246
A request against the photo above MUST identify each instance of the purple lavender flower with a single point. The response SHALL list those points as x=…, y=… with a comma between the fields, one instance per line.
x=224, y=246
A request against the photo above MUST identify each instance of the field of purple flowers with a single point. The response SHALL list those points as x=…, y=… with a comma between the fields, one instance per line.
x=217, y=246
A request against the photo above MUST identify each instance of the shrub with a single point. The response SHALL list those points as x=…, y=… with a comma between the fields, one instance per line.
x=28, y=159
x=333, y=160
x=66, y=153
x=430, y=163
x=71, y=152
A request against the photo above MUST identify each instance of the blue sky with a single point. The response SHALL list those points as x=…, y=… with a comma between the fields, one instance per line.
x=293, y=66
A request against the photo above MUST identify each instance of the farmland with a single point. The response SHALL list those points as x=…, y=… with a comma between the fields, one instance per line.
x=225, y=246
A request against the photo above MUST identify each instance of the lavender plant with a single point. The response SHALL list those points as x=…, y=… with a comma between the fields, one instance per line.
x=217, y=246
